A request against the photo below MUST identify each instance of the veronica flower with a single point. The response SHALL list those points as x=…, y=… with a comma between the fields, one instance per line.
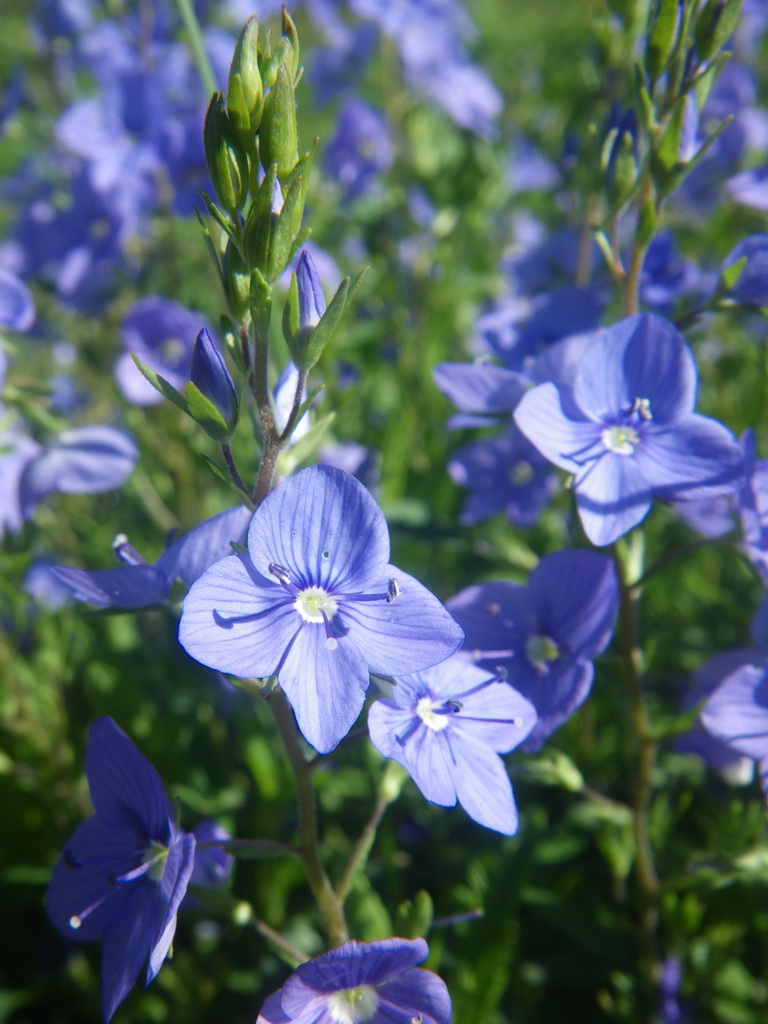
x=137, y=584
x=362, y=983
x=315, y=603
x=124, y=872
x=543, y=636
x=447, y=726
x=17, y=308
x=626, y=430
x=737, y=713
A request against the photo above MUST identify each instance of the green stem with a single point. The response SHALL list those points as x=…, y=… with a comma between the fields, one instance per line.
x=197, y=45
x=362, y=849
x=297, y=955
x=234, y=475
x=272, y=445
x=327, y=900
x=647, y=746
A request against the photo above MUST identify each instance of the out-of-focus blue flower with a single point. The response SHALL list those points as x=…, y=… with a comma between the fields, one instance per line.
x=137, y=584
x=529, y=170
x=481, y=391
x=360, y=149
x=316, y=604
x=543, y=636
x=737, y=714
x=16, y=452
x=626, y=430
x=447, y=726
x=17, y=308
x=751, y=285
x=161, y=333
x=84, y=460
x=44, y=585
x=752, y=503
x=124, y=872
x=666, y=276
x=503, y=474
x=376, y=982
x=212, y=865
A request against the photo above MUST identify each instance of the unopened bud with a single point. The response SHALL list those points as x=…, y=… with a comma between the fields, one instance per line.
x=212, y=380
x=311, y=297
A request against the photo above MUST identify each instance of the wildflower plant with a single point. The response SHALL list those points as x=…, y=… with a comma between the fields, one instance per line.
x=234, y=519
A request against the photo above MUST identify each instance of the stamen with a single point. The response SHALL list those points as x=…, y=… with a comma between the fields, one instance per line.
x=125, y=552
x=642, y=406
x=280, y=573
x=77, y=919
x=393, y=590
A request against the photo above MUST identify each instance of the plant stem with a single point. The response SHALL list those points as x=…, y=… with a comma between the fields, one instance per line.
x=197, y=45
x=296, y=954
x=647, y=746
x=234, y=475
x=362, y=849
x=328, y=902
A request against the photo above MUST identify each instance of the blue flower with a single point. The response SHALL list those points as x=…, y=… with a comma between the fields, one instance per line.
x=370, y=982
x=543, y=636
x=626, y=430
x=737, y=714
x=503, y=474
x=124, y=872
x=447, y=726
x=315, y=603
x=17, y=308
x=135, y=584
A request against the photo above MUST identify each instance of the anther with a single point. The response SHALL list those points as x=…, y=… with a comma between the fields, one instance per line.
x=393, y=590
x=280, y=573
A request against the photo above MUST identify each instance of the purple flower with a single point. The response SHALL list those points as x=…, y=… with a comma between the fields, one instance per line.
x=17, y=309
x=124, y=872
x=311, y=296
x=543, y=636
x=315, y=603
x=737, y=713
x=751, y=284
x=503, y=474
x=85, y=460
x=137, y=584
x=753, y=506
x=447, y=726
x=360, y=149
x=376, y=982
x=161, y=333
x=626, y=430
x=481, y=391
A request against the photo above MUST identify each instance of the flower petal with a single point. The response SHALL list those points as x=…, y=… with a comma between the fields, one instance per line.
x=236, y=621
x=482, y=784
x=639, y=357
x=178, y=869
x=698, y=458
x=550, y=420
x=417, y=995
x=128, y=586
x=325, y=686
x=612, y=498
x=189, y=556
x=126, y=945
x=323, y=526
x=125, y=788
x=737, y=711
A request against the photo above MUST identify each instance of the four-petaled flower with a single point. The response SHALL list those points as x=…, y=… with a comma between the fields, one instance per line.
x=447, y=726
x=362, y=983
x=544, y=636
x=124, y=872
x=315, y=603
x=627, y=431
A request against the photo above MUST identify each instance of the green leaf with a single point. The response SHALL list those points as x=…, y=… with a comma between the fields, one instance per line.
x=203, y=411
x=161, y=384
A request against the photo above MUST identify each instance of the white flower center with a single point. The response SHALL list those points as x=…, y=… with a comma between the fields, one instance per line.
x=539, y=650
x=521, y=473
x=312, y=602
x=353, y=1005
x=424, y=709
x=622, y=440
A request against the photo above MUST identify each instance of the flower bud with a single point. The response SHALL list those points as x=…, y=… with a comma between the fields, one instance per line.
x=245, y=91
x=211, y=394
x=227, y=164
x=714, y=26
x=620, y=160
x=311, y=297
x=278, y=140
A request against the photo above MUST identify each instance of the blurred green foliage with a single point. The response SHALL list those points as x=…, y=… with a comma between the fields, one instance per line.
x=555, y=934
